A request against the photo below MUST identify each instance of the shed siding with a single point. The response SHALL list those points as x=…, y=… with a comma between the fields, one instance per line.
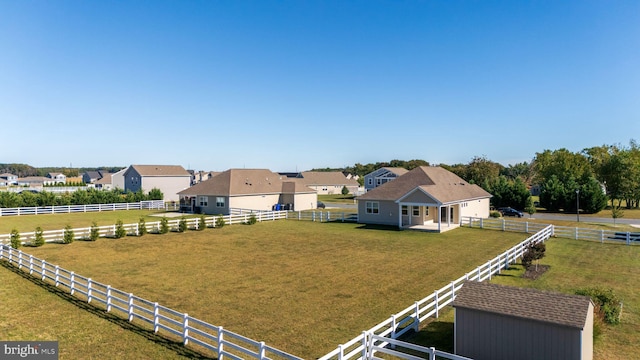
x=388, y=214
x=305, y=202
x=481, y=335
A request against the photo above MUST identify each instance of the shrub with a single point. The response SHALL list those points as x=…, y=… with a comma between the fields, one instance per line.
x=202, y=224
x=495, y=214
x=94, y=234
x=142, y=226
x=220, y=221
x=182, y=225
x=533, y=252
x=345, y=190
x=39, y=240
x=15, y=239
x=607, y=304
x=252, y=220
x=120, y=230
x=68, y=235
x=164, y=225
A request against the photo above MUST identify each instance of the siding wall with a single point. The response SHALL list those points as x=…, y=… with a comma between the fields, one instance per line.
x=254, y=202
x=169, y=185
x=476, y=208
x=481, y=335
x=388, y=214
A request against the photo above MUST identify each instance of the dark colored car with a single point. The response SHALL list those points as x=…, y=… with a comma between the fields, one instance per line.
x=321, y=205
x=507, y=211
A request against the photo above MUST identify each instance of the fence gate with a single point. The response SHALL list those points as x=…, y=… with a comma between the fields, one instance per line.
x=397, y=349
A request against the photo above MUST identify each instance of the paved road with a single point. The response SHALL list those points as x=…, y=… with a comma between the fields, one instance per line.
x=583, y=218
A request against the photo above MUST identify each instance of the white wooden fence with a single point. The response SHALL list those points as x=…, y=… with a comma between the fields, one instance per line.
x=65, y=209
x=223, y=343
x=629, y=238
x=151, y=227
x=323, y=216
x=431, y=352
x=411, y=317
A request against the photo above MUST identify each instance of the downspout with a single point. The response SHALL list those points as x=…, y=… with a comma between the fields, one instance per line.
x=439, y=217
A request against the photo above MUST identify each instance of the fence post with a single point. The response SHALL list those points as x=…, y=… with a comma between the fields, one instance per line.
x=19, y=259
x=453, y=290
x=57, y=275
x=393, y=329
x=601, y=236
x=479, y=279
x=628, y=238
x=365, y=345
x=436, y=300
x=108, y=298
x=72, y=279
x=503, y=224
x=481, y=223
x=576, y=233
x=137, y=229
x=526, y=227
x=261, y=351
x=30, y=264
x=340, y=352
x=220, y=343
x=155, y=318
x=43, y=269
x=89, y=287
x=130, y=312
x=432, y=354
x=185, y=329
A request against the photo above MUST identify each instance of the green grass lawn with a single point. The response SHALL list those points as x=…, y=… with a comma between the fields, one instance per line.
x=574, y=264
x=337, y=198
x=303, y=287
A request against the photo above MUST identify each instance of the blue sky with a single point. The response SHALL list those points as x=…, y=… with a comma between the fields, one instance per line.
x=295, y=85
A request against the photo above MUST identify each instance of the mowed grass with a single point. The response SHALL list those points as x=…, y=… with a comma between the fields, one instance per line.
x=303, y=287
x=575, y=264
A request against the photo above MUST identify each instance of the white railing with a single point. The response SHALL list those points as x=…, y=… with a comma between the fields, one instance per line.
x=64, y=209
x=411, y=317
x=151, y=227
x=372, y=342
x=323, y=216
x=190, y=330
x=627, y=237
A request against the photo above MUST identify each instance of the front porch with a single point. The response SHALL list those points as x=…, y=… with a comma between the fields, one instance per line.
x=432, y=227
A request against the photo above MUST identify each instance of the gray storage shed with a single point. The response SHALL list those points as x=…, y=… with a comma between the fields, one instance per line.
x=495, y=322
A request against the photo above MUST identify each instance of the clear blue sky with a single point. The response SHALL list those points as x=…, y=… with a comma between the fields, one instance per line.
x=289, y=85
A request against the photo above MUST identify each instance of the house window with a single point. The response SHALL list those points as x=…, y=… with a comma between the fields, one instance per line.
x=204, y=201
x=372, y=207
x=415, y=210
x=220, y=201
x=405, y=210
x=379, y=182
x=370, y=181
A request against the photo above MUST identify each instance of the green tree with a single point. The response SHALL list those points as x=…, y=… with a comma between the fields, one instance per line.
x=552, y=195
x=68, y=235
x=155, y=194
x=142, y=226
x=94, y=233
x=15, y=239
x=164, y=225
x=39, y=237
x=120, y=230
x=530, y=208
x=345, y=191
x=592, y=197
x=616, y=213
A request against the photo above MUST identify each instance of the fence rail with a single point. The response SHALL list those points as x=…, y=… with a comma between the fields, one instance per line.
x=411, y=317
x=216, y=339
x=627, y=237
x=65, y=209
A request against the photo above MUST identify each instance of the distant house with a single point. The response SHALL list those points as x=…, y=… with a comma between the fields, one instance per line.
x=502, y=322
x=382, y=176
x=58, y=178
x=200, y=176
x=7, y=179
x=35, y=181
x=327, y=182
x=117, y=179
x=170, y=179
x=105, y=182
x=252, y=189
x=89, y=177
x=426, y=197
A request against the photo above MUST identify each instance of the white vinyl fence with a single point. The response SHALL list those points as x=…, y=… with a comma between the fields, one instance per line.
x=629, y=238
x=223, y=343
x=65, y=209
x=151, y=227
x=411, y=317
x=323, y=216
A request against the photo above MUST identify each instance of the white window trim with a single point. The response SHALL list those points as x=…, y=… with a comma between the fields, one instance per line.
x=372, y=207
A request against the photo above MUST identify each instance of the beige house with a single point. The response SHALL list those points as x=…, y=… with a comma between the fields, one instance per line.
x=328, y=182
x=427, y=197
x=170, y=179
x=248, y=189
x=502, y=322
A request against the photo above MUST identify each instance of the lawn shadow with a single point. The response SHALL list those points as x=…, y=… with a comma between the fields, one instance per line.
x=437, y=334
x=378, y=227
x=174, y=346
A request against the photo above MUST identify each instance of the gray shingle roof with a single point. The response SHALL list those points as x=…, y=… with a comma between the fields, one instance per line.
x=532, y=304
x=440, y=183
x=326, y=178
x=161, y=170
x=245, y=182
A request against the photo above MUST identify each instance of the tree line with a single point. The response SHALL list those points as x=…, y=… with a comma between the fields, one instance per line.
x=80, y=197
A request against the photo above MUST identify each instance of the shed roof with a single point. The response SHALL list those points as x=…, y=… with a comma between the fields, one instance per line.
x=440, y=183
x=160, y=170
x=532, y=304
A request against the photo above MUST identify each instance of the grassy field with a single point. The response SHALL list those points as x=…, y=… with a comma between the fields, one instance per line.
x=585, y=223
x=303, y=287
x=574, y=265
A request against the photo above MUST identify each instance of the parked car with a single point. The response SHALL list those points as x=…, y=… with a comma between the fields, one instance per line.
x=320, y=205
x=507, y=211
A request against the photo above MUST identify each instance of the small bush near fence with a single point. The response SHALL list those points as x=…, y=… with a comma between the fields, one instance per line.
x=164, y=225
x=15, y=239
x=533, y=252
x=182, y=225
x=494, y=214
x=142, y=227
x=120, y=230
x=68, y=236
x=202, y=224
x=607, y=304
x=219, y=221
x=252, y=219
x=94, y=234
x=39, y=237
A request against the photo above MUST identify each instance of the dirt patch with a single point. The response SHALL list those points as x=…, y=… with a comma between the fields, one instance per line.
x=534, y=272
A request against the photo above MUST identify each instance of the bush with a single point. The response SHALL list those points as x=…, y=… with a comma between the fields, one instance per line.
x=606, y=304
x=142, y=227
x=495, y=214
x=15, y=239
x=120, y=230
x=164, y=225
x=533, y=252
x=95, y=232
x=202, y=224
x=252, y=219
x=39, y=240
x=68, y=235
x=220, y=221
x=345, y=190
x=182, y=225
